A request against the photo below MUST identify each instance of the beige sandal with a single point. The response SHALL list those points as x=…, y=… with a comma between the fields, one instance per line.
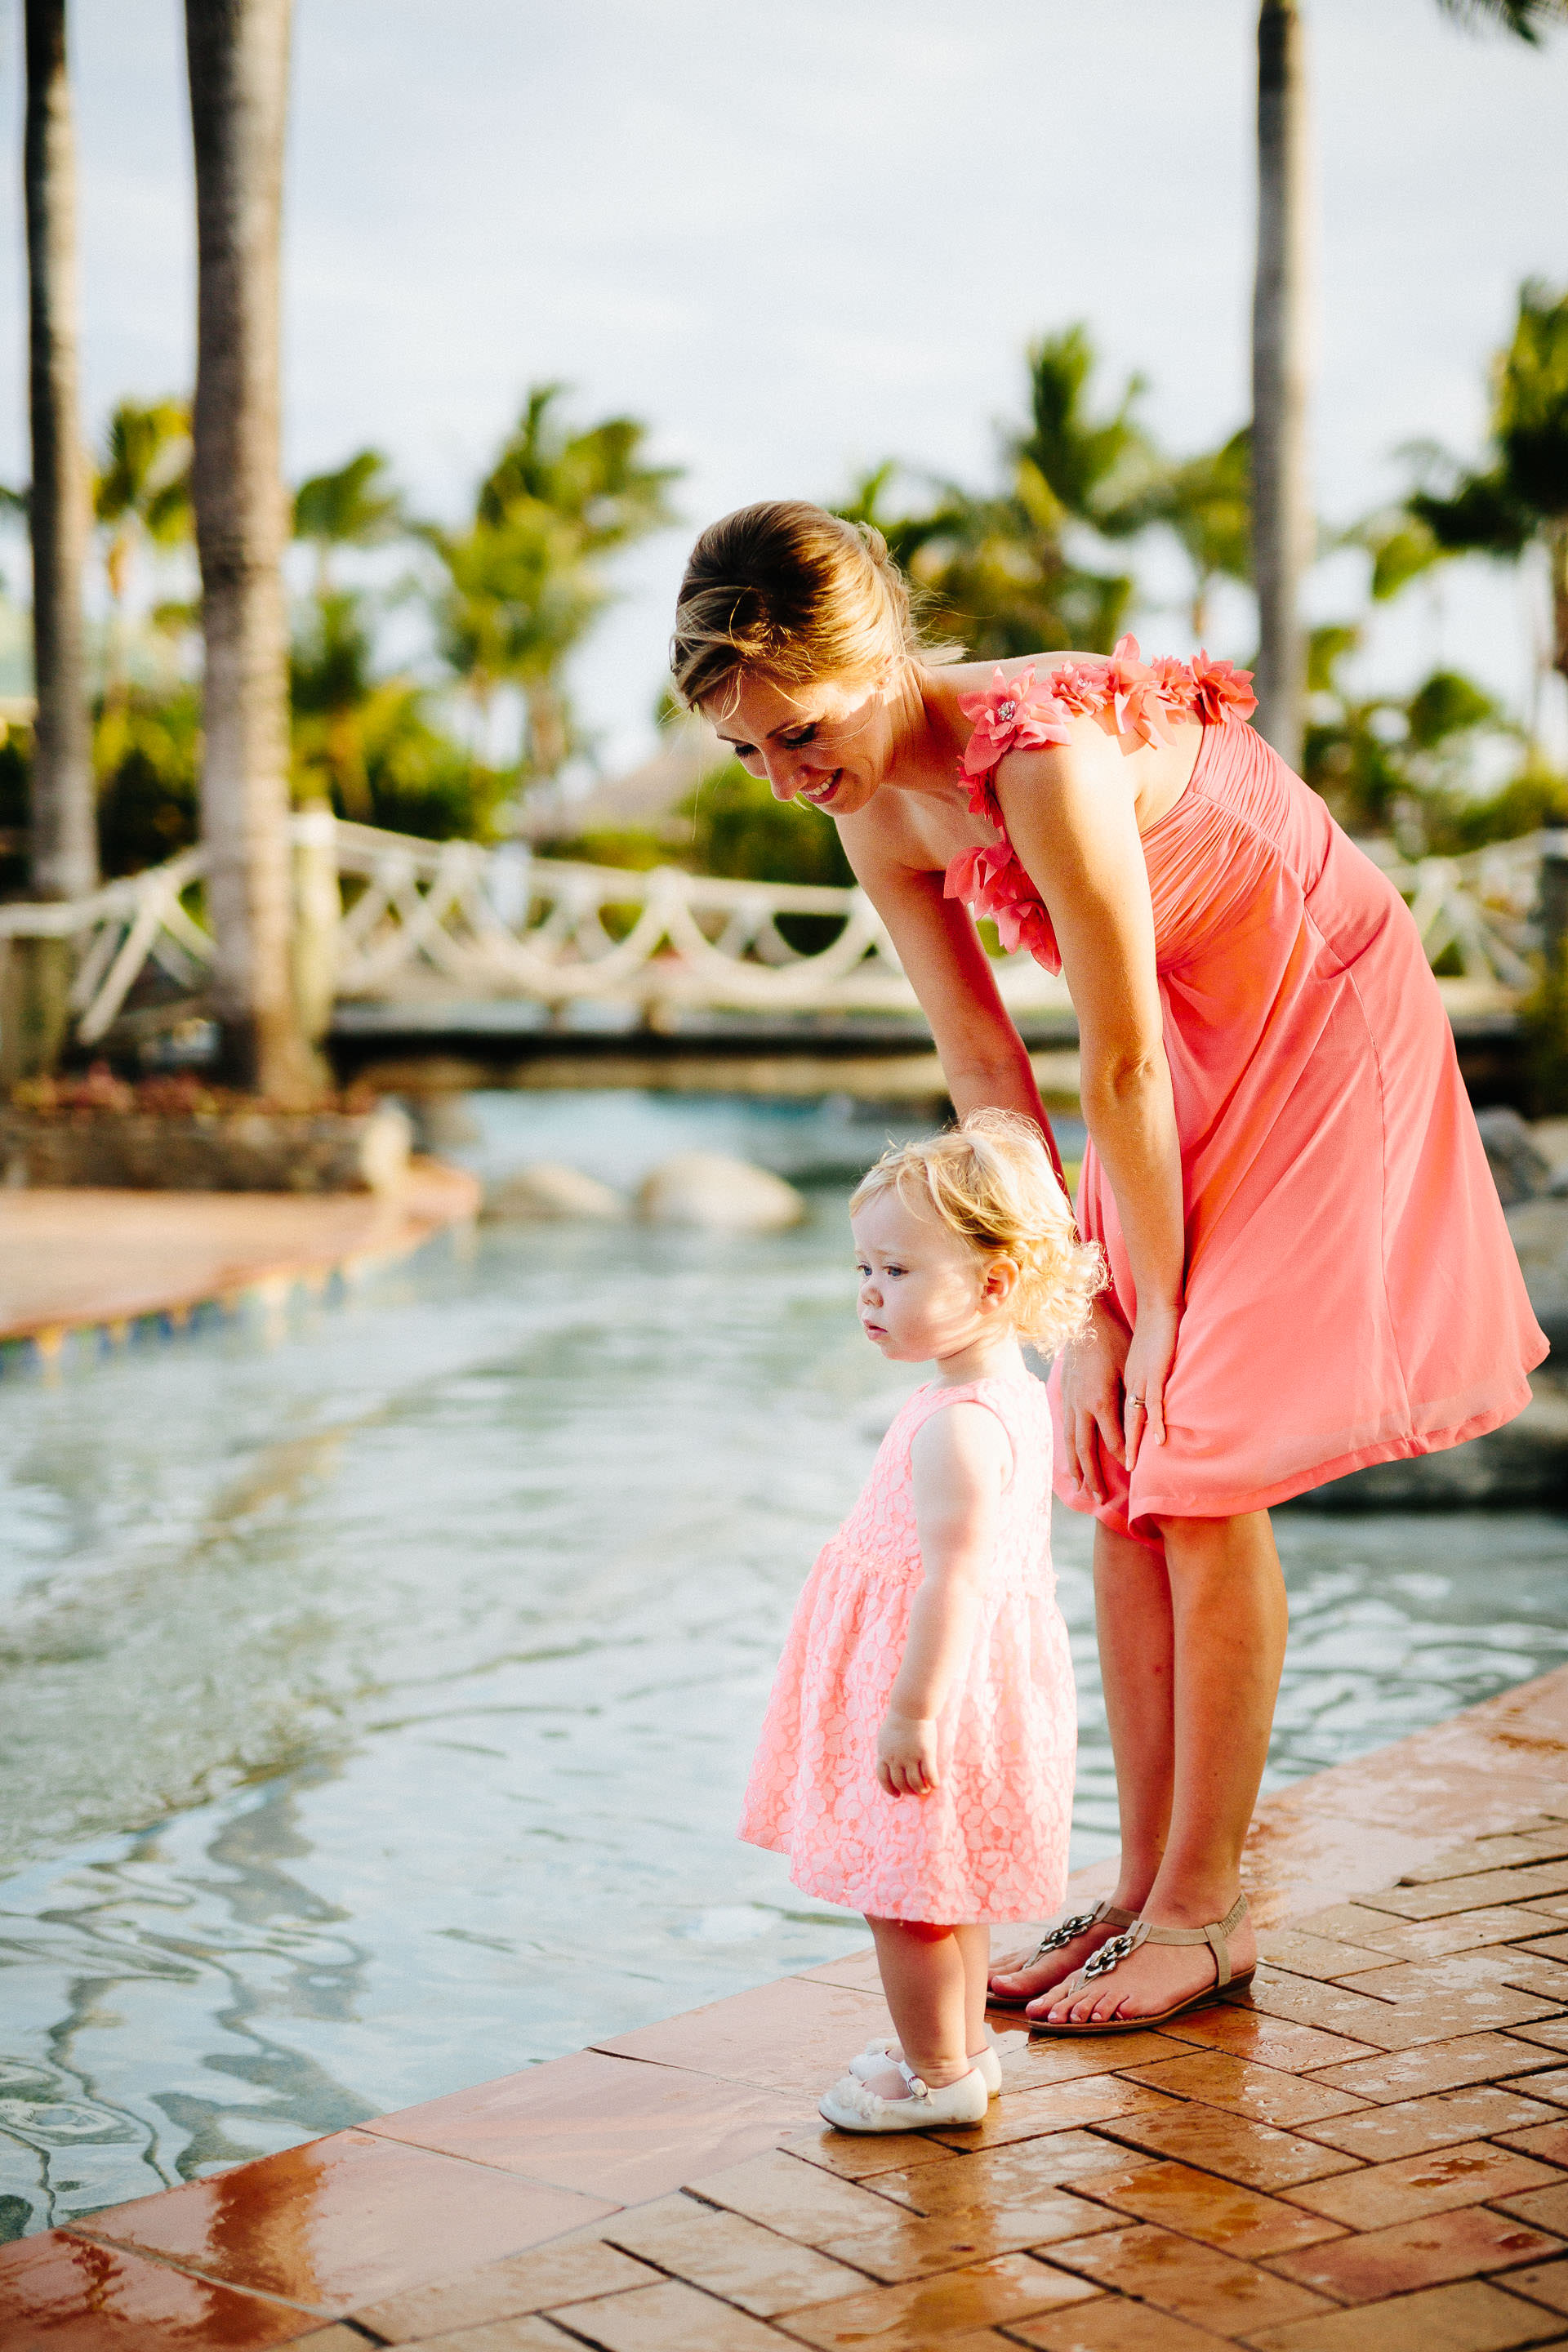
x=1217, y=1936
x=1056, y=1939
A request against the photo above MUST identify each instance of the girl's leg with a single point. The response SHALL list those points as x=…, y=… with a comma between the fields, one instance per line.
x=1229, y=1614
x=925, y=1978
x=1137, y=1638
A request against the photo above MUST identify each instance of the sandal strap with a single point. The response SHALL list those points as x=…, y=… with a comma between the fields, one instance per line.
x=1079, y=1923
x=1216, y=1934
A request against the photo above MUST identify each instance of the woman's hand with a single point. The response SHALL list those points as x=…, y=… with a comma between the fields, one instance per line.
x=906, y=1753
x=1143, y=1377
x=1092, y=1401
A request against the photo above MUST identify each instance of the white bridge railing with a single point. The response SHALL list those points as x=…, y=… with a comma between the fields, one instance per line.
x=414, y=920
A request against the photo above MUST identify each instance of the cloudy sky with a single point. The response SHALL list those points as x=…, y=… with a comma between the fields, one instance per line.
x=797, y=237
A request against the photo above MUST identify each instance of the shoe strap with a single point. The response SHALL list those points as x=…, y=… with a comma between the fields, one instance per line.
x=1079, y=1923
x=916, y=2088
x=1216, y=1934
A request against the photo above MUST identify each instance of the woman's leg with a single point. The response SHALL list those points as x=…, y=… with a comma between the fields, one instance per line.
x=1132, y=1620
x=1229, y=1618
x=926, y=1979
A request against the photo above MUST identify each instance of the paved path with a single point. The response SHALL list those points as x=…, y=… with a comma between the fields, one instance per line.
x=75, y=1258
x=1366, y=2153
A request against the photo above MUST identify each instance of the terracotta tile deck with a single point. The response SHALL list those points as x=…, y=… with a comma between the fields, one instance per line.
x=1367, y=2152
x=77, y=1260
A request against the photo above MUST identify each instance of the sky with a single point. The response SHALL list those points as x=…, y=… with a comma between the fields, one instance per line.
x=800, y=237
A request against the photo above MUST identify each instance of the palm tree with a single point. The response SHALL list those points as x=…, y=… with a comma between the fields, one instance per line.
x=1283, y=526
x=525, y=580
x=238, y=60
x=358, y=506
x=64, y=847
x=141, y=497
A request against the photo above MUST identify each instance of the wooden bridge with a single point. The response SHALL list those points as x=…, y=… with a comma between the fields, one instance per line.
x=416, y=939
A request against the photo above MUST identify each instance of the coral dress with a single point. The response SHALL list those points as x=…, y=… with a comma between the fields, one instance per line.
x=990, y=1843
x=1353, y=1294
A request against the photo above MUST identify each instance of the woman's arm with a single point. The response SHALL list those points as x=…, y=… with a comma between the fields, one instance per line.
x=983, y=1059
x=1071, y=819
x=960, y=1461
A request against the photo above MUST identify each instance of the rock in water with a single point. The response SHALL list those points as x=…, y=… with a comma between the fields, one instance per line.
x=1519, y=1168
x=704, y=1188
x=546, y=1189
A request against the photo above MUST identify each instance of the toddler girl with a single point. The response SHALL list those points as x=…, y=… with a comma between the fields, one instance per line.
x=916, y=1761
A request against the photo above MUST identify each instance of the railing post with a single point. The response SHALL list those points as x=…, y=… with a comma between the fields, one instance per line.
x=1554, y=898
x=318, y=912
x=34, y=1004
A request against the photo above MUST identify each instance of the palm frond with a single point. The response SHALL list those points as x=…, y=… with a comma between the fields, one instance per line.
x=1527, y=19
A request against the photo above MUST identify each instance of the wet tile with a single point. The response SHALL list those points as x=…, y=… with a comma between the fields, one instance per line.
x=1549, y=2141
x=860, y=2156
x=859, y=1970
x=1306, y=1955
x=1552, y=2035
x=1504, y=1851
x=1243, y=2087
x=1258, y=2154
x=914, y=2245
x=566, y=2272
x=1474, y=1992
x=1543, y=2209
x=341, y=2221
x=1039, y=2059
x=1057, y=2106
x=1547, y=2284
x=1416, y=1939
x=1466, y=2243
x=1196, y=2283
x=1532, y=1971
x=1445, y=1896
x=1333, y=2008
x=1272, y=2041
x=338, y=2338
x=729, y=2257
x=798, y=2199
x=1553, y=2086
x=1377, y=2134
x=1111, y=2324
x=1017, y=2174
x=672, y=2317
x=1380, y=2195
x=1240, y=2222
x=526, y=2332
x=1469, y=2317
x=60, y=2294
x=926, y=2311
x=795, y=2034
x=1433, y=2066
x=1555, y=1948
x=609, y=2126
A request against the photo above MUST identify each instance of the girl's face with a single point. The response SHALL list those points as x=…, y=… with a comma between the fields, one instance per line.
x=829, y=745
x=924, y=1294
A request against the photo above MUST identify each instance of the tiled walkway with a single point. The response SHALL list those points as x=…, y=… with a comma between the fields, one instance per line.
x=1368, y=2152
x=79, y=1259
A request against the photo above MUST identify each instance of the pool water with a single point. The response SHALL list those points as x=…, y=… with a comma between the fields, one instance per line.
x=377, y=1692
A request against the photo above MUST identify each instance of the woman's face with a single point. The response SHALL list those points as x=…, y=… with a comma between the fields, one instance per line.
x=827, y=743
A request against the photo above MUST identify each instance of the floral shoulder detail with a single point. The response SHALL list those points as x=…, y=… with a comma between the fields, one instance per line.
x=1146, y=699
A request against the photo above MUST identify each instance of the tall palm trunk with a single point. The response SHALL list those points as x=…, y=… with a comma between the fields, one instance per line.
x=1281, y=506
x=63, y=833
x=238, y=59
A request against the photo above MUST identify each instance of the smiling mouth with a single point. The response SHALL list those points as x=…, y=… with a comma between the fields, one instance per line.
x=820, y=794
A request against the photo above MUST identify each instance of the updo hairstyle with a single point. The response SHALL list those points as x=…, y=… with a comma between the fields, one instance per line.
x=796, y=593
x=990, y=1182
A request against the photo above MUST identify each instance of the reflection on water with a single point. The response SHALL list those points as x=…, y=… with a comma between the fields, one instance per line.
x=373, y=1706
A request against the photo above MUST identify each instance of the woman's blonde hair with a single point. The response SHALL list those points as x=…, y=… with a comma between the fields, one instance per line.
x=991, y=1183
x=793, y=592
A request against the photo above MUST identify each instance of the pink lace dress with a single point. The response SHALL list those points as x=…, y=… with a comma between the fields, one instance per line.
x=1353, y=1294
x=990, y=1844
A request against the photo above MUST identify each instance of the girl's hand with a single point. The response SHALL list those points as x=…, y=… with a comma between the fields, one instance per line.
x=906, y=1753
x=1144, y=1374
x=1092, y=1413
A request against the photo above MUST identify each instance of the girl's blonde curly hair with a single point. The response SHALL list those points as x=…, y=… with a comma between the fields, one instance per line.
x=991, y=1183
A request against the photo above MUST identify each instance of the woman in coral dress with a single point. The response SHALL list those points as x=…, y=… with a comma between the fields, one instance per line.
x=1310, y=1267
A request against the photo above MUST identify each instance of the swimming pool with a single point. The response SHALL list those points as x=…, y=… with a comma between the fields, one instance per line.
x=375, y=1694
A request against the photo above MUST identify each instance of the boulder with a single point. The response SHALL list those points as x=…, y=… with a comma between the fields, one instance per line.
x=548, y=1189
x=1519, y=1168
x=1539, y=1230
x=1521, y=1466
x=705, y=1188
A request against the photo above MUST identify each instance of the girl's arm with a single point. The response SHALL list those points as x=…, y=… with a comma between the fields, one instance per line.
x=960, y=1461
x=1071, y=818
x=983, y=1059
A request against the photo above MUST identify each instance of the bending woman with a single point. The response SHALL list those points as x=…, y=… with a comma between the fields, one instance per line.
x=1310, y=1269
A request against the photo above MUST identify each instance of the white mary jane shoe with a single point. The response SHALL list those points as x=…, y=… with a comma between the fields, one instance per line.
x=852, y=2106
x=987, y=2062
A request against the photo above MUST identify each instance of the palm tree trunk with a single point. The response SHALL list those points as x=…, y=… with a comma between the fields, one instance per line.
x=64, y=820
x=1281, y=509
x=238, y=57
